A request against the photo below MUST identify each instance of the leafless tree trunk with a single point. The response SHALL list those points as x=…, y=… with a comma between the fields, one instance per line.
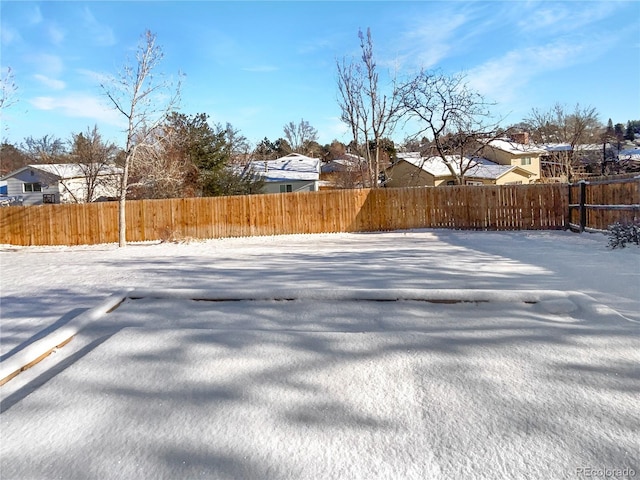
x=369, y=112
x=134, y=94
x=456, y=120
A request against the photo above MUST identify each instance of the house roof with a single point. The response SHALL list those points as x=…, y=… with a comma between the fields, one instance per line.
x=630, y=154
x=556, y=147
x=515, y=148
x=479, y=167
x=566, y=147
x=66, y=170
x=290, y=167
x=344, y=162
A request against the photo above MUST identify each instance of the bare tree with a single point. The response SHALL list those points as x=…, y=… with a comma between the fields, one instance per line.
x=564, y=126
x=300, y=136
x=144, y=100
x=455, y=119
x=47, y=149
x=12, y=158
x=238, y=147
x=8, y=89
x=94, y=164
x=161, y=169
x=369, y=113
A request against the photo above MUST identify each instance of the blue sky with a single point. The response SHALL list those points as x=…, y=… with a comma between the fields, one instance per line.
x=260, y=65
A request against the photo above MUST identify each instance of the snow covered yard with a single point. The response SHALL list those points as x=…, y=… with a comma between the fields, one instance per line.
x=355, y=372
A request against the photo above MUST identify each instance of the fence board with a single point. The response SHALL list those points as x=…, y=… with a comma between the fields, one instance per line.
x=462, y=207
x=605, y=203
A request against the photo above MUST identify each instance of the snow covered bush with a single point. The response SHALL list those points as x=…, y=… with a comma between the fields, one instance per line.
x=622, y=233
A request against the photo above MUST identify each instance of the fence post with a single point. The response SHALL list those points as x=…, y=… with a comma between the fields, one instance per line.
x=569, y=208
x=583, y=209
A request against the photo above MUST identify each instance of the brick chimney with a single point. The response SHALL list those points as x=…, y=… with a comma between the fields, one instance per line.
x=521, y=137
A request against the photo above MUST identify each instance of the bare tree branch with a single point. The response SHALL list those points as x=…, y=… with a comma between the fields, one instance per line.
x=452, y=117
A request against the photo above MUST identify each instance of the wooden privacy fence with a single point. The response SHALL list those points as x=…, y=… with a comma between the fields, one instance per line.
x=593, y=206
x=512, y=207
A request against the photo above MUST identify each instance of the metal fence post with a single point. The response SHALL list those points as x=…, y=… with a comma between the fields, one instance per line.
x=583, y=209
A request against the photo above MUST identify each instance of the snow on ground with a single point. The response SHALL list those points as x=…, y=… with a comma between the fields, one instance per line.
x=327, y=387
x=44, y=286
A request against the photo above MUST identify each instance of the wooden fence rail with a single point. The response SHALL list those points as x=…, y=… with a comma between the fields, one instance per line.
x=593, y=206
x=513, y=207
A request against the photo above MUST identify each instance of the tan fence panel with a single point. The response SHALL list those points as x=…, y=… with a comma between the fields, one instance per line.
x=604, y=204
x=460, y=207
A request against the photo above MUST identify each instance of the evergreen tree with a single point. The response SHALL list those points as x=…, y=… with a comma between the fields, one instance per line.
x=610, y=132
x=265, y=150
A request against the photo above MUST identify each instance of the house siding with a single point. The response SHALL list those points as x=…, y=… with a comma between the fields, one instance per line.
x=296, y=186
x=507, y=158
x=68, y=190
x=508, y=178
x=15, y=187
x=514, y=177
x=404, y=174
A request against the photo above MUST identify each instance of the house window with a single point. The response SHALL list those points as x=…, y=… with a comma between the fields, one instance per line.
x=31, y=187
x=286, y=188
x=473, y=182
x=451, y=182
x=525, y=161
x=48, y=198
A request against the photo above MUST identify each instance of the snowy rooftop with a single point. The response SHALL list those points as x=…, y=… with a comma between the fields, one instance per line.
x=479, y=167
x=344, y=162
x=515, y=147
x=69, y=170
x=556, y=147
x=290, y=167
x=630, y=154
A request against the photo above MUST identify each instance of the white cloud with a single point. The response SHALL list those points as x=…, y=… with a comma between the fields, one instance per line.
x=51, y=65
x=56, y=34
x=97, y=78
x=334, y=128
x=261, y=69
x=102, y=34
x=551, y=18
x=503, y=79
x=8, y=35
x=51, y=83
x=34, y=16
x=80, y=106
x=432, y=40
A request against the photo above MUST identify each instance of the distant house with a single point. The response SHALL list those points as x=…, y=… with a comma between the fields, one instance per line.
x=347, y=171
x=62, y=183
x=347, y=162
x=515, y=151
x=412, y=170
x=562, y=160
x=291, y=173
x=630, y=159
